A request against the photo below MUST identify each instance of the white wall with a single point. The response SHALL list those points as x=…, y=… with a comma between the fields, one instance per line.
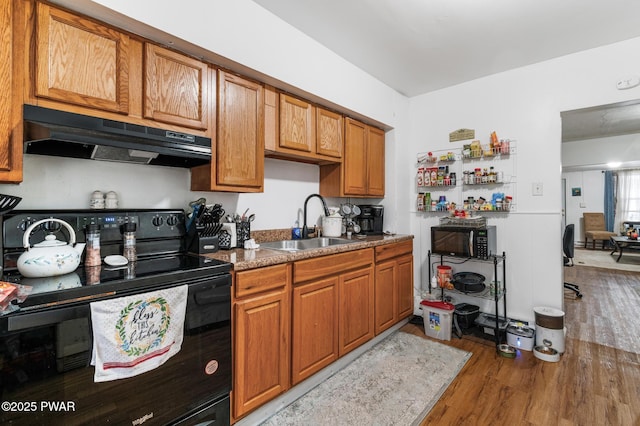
x=524, y=104
x=591, y=198
x=62, y=183
x=596, y=153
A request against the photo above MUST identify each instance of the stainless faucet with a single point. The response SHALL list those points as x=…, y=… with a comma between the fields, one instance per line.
x=305, y=230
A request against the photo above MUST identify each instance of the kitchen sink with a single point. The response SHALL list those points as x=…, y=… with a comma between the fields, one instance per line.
x=310, y=244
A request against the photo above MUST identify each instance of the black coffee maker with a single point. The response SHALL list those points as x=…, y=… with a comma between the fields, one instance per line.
x=370, y=219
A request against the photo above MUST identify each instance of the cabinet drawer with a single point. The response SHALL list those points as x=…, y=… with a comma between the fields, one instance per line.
x=261, y=279
x=309, y=269
x=393, y=250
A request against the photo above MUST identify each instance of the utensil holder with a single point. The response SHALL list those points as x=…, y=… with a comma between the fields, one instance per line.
x=243, y=233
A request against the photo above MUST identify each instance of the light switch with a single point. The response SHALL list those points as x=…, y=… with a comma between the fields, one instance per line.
x=537, y=188
x=583, y=205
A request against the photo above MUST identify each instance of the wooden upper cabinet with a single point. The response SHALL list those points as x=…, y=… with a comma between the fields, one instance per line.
x=240, y=145
x=375, y=162
x=362, y=171
x=238, y=152
x=298, y=130
x=11, y=86
x=81, y=62
x=355, y=158
x=176, y=88
x=297, y=124
x=329, y=130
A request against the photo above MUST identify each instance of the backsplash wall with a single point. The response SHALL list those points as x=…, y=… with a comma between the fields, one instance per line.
x=63, y=183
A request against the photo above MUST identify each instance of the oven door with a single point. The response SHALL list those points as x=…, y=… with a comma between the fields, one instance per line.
x=46, y=377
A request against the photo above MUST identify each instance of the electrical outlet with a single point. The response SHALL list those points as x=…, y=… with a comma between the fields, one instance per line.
x=583, y=205
x=536, y=188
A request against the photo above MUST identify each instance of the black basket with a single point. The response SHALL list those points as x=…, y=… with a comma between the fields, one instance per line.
x=466, y=314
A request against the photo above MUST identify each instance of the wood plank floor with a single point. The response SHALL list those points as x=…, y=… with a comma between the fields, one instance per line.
x=596, y=382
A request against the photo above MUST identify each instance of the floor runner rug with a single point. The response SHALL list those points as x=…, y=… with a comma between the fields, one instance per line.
x=396, y=382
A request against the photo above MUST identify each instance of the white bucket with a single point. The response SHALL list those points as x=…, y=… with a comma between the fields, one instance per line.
x=332, y=226
x=437, y=321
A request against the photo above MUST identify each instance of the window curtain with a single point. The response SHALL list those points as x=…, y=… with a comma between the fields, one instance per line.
x=628, y=197
x=609, y=200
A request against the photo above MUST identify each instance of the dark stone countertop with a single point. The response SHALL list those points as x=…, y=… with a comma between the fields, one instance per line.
x=257, y=258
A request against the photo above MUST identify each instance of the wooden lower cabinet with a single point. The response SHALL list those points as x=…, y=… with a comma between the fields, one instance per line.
x=386, y=296
x=393, y=284
x=261, y=337
x=405, y=285
x=292, y=320
x=314, y=332
x=356, y=309
x=323, y=331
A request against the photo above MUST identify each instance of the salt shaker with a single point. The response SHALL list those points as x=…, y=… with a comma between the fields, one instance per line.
x=92, y=237
x=97, y=200
x=111, y=201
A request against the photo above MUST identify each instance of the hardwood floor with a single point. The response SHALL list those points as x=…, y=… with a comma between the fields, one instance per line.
x=596, y=382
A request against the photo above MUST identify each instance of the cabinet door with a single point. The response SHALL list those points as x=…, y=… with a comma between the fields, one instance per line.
x=11, y=100
x=386, y=296
x=240, y=142
x=375, y=162
x=297, y=124
x=329, y=130
x=356, y=309
x=314, y=339
x=261, y=350
x=354, y=165
x=176, y=88
x=404, y=280
x=81, y=62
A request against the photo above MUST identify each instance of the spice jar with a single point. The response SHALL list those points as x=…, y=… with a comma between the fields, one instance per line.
x=111, y=200
x=444, y=276
x=92, y=274
x=129, y=241
x=97, y=200
x=92, y=237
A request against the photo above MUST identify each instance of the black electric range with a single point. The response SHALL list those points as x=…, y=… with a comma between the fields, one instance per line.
x=46, y=338
x=162, y=257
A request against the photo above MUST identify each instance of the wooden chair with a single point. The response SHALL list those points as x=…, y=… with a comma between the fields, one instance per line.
x=595, y=229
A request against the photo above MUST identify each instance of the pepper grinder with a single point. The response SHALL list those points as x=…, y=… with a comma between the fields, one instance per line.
x=129, y=241
x=92, y=237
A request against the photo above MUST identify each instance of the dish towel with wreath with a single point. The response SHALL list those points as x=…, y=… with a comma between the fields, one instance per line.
x=135, y=334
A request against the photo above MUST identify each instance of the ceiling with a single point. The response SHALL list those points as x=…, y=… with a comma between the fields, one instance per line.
x=418, y=46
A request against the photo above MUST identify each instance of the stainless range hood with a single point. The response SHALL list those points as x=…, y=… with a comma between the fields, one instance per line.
x=64, y=134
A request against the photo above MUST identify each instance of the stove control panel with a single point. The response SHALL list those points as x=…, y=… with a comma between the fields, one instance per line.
x=150, y=224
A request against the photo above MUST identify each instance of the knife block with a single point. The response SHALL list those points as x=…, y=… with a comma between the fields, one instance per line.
x=204, y=245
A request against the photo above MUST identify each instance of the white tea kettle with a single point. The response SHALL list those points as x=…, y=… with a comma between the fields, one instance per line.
x=49, y=257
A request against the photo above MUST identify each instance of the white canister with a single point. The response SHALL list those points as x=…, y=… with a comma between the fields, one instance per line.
x=111, y=200
x=97, y=200
x=332, y=226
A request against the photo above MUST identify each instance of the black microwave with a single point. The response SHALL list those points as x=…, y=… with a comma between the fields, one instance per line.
x=464, y=241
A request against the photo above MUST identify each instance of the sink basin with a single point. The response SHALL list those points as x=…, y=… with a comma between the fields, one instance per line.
x=299, y=245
